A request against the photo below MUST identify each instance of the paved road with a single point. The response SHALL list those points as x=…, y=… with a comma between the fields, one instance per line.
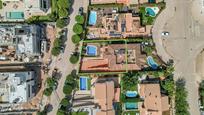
x=183, y=44
x=63, y=64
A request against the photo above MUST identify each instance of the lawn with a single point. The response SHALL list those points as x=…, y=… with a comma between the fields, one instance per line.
x=130, y=113
x=146, y=20
x=80, y=113
x=89, y=83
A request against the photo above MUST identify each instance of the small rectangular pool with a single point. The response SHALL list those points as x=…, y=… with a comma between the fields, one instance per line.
x=15, y=15
x=83, y=83
x=131, y=106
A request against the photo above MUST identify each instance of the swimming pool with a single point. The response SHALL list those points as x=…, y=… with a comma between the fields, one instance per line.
x=151, y=62
x=14, y=15
x=152, y=11
x=83, y=83
x=131, y=105
x=91, y=50
x=92, y=18
x=131, y=93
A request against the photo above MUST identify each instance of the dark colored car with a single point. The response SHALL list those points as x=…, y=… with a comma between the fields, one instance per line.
x=81, y=9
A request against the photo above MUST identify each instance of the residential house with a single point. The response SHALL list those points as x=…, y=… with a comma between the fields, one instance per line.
x=114, y=58
x=17, y=87
x=154, y=103
x=118, y=25
x=105, y=96
x=20, y=42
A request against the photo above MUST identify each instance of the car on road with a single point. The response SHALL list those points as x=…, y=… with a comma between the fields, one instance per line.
x=81, y=10
x=165, y=33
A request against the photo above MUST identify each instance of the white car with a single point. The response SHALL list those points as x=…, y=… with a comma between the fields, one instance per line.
x=165, y=33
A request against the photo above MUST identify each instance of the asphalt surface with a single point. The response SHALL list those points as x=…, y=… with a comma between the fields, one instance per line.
x=62, y=62
x=183, y=44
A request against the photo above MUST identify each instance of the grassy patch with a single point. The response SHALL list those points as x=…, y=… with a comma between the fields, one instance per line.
x=146, y=20
x=89, y=83
x=79, y=113
x=130, y=112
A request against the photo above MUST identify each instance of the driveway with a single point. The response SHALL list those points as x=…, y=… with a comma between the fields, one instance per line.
x=62, y=61
x=183, y=44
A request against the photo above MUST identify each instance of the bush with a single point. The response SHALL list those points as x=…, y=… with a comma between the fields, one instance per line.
x=50, y=82
x=55, y=51
x=79, y=19
x=60, y=23
x=69, y=80
x=78, y=29
x=181, y=105
x=76, y=39
x=63, y=13
x=74, y=58
x=67, y=89
x=48, y=91
x=60, y=112
x=64, y=102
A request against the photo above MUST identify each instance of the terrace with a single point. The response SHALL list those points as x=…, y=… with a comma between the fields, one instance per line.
x=18, y=42
x=19, y=10
x=113, y=58
x=110, y=24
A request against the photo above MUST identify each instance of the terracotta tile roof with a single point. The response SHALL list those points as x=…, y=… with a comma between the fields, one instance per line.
x=154, y=102
x=104, y=95
x=112, y=112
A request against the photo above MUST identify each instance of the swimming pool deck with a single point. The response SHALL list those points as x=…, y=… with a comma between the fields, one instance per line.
x=21, y=6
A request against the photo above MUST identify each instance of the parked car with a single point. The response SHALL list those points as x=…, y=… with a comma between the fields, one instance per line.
x=165, y=33
x=81, y=10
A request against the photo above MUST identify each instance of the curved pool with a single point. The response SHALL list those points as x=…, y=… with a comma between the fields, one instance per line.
x=152, y=11
x=131, y=93
x=151, y=62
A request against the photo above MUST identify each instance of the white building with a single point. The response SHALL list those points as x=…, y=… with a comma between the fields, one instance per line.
x=22, y=41
x=17, y=87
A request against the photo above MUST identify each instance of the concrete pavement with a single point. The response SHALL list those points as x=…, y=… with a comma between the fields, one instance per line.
x=64, y=66
x=183, y=20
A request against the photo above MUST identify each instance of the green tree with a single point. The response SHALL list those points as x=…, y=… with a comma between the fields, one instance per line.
x=78, y=29
x=181, y=105
x=63, y=12
x=67, y=89
x=70, y=79
x=63, y=4
x=64, y=102
x=50, y=82
x=55, y=51
x=168, y=85
x=79, y=19
x=60, y=23
x=60, y=112
x=130, y=80
x=76, y=39
x=48, y=91
x=74, y=58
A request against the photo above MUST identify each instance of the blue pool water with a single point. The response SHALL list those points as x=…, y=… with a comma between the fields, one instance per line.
x=151, y=1
x=83, y=83
x=14, y=15
x=92, y=18
x=91, y=50
x=131, y=94
x=150, y=11
x=131, y=105
x=151, y=62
